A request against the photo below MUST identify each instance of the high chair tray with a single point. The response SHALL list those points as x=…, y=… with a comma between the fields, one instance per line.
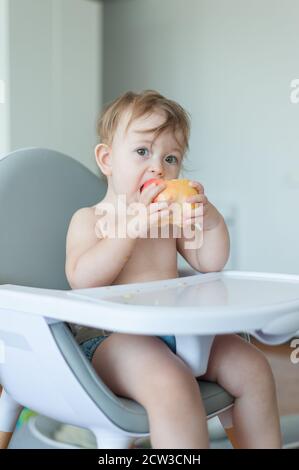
x=264, y=304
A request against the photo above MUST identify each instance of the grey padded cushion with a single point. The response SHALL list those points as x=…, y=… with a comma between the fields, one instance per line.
x=40, y=190
x=125, y=413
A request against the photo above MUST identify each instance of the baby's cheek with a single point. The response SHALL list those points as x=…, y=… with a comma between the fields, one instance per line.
x=122, y=184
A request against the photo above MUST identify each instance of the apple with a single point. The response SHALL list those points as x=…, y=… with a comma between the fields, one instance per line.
x=177, y=190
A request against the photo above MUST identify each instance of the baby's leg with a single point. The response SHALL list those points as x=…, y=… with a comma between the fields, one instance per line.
x=144, y=369
x=243, y=371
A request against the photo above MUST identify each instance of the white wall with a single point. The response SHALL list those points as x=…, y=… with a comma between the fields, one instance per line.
x=230, y=63
x=4, y=100
x=55, y=70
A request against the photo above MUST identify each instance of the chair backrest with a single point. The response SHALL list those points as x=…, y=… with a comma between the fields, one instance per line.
x=40, y=190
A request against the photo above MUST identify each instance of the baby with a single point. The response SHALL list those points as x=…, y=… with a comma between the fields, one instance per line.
x=145, y=136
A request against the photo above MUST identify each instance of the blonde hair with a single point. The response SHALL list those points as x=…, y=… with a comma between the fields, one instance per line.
x=141, y=104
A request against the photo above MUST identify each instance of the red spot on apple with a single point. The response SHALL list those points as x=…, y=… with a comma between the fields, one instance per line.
x=150, y=181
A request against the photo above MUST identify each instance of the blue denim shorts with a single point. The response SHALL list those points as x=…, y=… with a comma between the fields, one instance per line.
x=91, y=345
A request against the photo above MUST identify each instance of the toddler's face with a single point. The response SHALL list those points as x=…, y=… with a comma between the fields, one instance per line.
x=137, y=156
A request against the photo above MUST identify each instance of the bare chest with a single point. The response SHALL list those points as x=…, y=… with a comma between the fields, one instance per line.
x=151, y=259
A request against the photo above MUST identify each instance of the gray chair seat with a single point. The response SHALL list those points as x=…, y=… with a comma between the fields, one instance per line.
x=127, y=414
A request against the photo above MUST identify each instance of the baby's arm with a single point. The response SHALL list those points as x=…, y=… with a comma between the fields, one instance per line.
x=90, y=261
x=213, y=250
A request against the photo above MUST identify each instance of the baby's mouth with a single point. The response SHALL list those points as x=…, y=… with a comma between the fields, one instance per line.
x=141, y=187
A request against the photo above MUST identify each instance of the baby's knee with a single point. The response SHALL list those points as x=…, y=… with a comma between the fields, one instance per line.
x=259, y=372
x=174, y=384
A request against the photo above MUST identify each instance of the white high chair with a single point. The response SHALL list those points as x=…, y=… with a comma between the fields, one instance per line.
x=41, y=365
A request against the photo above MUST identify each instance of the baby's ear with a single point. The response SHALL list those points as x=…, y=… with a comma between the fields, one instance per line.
x=103, y=158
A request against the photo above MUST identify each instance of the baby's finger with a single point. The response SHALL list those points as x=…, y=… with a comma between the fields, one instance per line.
x=154, y=188
x=158, y=216
x=150, y=192
x=197, y=185
x=194, y=212
x=158, y=206
x=199, y=198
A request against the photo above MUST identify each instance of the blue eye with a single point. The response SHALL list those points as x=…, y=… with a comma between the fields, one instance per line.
x=142, y=149
x=172, y=157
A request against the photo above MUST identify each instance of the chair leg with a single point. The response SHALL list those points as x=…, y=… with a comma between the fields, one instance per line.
x=226, y=419
x=9, y=412
x=231, y=435
x=113, y=441
x=5, y=438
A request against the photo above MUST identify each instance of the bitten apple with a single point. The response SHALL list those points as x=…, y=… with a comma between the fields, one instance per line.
x=177, y=190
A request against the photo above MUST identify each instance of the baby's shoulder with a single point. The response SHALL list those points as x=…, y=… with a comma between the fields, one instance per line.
x=82, y=225
x=81, y=236
x=88, y=218
x=83, y=215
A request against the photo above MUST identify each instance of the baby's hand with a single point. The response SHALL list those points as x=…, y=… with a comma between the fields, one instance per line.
x=153, y=214
x=204, y=214
x=133, y=219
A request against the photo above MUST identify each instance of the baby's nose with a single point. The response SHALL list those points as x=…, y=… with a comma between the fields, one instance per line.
x=157, y=170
